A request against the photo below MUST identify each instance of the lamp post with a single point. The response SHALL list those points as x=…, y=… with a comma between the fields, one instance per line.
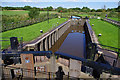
x=61, y=13
x=48, y=15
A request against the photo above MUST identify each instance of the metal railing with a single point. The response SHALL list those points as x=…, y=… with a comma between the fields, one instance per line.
x=5, y=42
x=109, y=48
x=112, y=21
x=89, y=63
x=92, y=64
x=20, y=76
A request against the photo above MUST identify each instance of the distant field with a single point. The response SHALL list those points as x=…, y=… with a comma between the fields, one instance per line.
x=21, y=12
x=14, y=12
x=31, y=32
x=109, y=32
x=84, y=15
x=49, y=12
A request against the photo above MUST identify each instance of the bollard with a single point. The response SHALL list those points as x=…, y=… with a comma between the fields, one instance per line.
x=68, y=75
x=114, y=63
x=41, y=31
x=99, y=34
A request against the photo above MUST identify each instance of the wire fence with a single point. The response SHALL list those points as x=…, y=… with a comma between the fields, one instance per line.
x=13, y=25
x=112, y=21
x=14, y=73
x=109, y=48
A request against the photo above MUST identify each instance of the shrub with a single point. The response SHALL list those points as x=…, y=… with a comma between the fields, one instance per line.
x=112, y=14
x=34, y=13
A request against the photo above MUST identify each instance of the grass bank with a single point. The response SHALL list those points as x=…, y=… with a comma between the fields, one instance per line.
x=109, y=32
x=31, y=32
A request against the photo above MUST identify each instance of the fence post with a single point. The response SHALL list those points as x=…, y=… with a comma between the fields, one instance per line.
x=21, y=43
x=49, y=75
x=68, y=75
x=117, y=57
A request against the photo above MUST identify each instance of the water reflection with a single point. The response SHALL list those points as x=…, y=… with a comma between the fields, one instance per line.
x=71, y=42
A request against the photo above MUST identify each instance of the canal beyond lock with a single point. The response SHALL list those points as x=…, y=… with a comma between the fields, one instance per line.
x=72, y=42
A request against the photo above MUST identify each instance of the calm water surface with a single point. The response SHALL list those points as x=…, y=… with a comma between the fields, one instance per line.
x=71, y=42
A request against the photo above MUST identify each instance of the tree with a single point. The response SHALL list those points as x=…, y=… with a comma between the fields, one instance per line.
x=118, y=9
x=64, y=10
x=59, y=9
x=27, y=7
x=50, y=8
x=70, y=10
x=113, y=9
x=108, y=10
x=0, y=8
x=36, y=8
x=76, y=9
x=99, y=10
x=34, y=13
x=85, y=9
x=113, y=14
x=93, y=10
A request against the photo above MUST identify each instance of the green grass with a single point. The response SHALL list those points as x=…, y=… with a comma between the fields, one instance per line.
x=116, y=19
x=109, y=32
x=84, y=15
x=21, y=12
x=31, y=32
x=14, y=12
x=49, y=12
